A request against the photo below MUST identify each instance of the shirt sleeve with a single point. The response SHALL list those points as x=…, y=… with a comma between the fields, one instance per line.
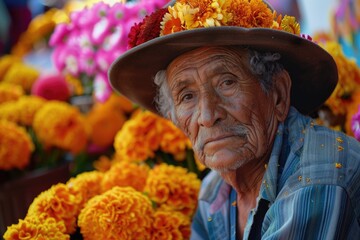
x=312, y=212
x=198, y=229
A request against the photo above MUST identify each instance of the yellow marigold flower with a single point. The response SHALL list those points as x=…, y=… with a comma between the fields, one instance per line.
x=240, y=12
x=16, y=146
x=124, y=174
x=102, y=164
x=21, y=74
x=85, y=185
x=290, y=25
x=120, y=213
x=349, y=79
x=59, y=203
x=10, y=111
x=104, y=121
x=6, y=62
x=10, y=92
x=138, y=138
x=75, y=85
x=173, y=140
x=61, y=125
x=28, y=107
x=174, y=187
x=170, y=225
x=37, y=228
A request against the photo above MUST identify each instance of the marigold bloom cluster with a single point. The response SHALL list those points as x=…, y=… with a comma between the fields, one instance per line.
x=10, y=92
x=105, y=121
x=173, y=188
x=10, y=111
x=61, y=125
x=349, y=79
x=5, y=63
x=120, y=213
x=27, y=107
x=59, y=203
x=37, y=228
x=146, y=133
x=170, y=225
x=124, y=174
x=21, y=74
x=192, y=14
x=85, y=186
x=15, y=146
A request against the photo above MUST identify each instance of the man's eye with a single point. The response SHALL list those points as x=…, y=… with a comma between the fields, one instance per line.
x=186, y=97
x=228, y=82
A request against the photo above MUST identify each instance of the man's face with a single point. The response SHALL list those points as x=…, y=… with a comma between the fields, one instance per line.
x=221, y=107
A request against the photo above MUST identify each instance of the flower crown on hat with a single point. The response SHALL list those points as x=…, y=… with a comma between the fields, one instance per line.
x=192, y=14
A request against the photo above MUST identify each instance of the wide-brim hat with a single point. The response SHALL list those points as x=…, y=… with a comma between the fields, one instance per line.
x=312, y=70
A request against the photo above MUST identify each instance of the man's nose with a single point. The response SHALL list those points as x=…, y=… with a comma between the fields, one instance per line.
x=210, y=110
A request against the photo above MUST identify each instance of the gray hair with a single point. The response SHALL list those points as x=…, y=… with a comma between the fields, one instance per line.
x=263, y=65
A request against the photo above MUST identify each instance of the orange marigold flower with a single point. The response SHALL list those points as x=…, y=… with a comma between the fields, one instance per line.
x=138, y=138
x=124, y=174
x=120, y=213
x=61, y=125
x=104, y=121
x=173, y=140
x=261, y=15
x=16, y=146
x=59, y=203
x=290, y=25
x=103, y=164
x=349, y=79
x=28, y=107
x=85, y=185
x=37, y=228
x=170, y=225
x=240, y=12
x=6, y=62
x=22, y=74
x=10, y=111
x=10, y=92
x=120, y=103
x=174, y=187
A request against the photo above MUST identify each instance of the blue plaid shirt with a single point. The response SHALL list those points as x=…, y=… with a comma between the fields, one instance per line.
x=310, y=190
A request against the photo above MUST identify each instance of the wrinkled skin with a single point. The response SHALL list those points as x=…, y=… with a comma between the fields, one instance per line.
x=230, y=120
x=222, y=108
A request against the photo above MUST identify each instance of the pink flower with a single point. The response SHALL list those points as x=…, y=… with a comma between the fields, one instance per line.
x=102, y=88
x=101, y=29
x=87, y=62
x=117, y=12
x=355, y=125
x=60, y=34
x=306, y=36
x=104, y=59
x=51, y=86
x=114, y=40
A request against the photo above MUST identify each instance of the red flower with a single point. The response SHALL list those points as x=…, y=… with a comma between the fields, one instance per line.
x=146, y=30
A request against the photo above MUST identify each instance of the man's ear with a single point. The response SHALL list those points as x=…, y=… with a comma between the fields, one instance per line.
x=281, y=94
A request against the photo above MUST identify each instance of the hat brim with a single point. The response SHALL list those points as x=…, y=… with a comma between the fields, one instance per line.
x=312, y=70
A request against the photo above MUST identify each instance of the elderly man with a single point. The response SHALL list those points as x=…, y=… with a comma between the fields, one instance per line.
x=240, y=86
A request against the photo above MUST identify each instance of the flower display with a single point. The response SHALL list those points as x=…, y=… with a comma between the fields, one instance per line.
x=189, y=14
x=120, y=213
x=10, y=92
x=147, y=133
x=124, y=174
x=9, y=111
x=170, y=225
x=51, y=87
x=173, y=188
x=5, y=63
x=27, y=107
x=87, y=45
x=85, y=186
x=61, y=125
x=21, y=74
x=105, y=121
x=37, y=228
x=13, y=138
x=59, y=203
x=349, y=79
x=355, y=124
